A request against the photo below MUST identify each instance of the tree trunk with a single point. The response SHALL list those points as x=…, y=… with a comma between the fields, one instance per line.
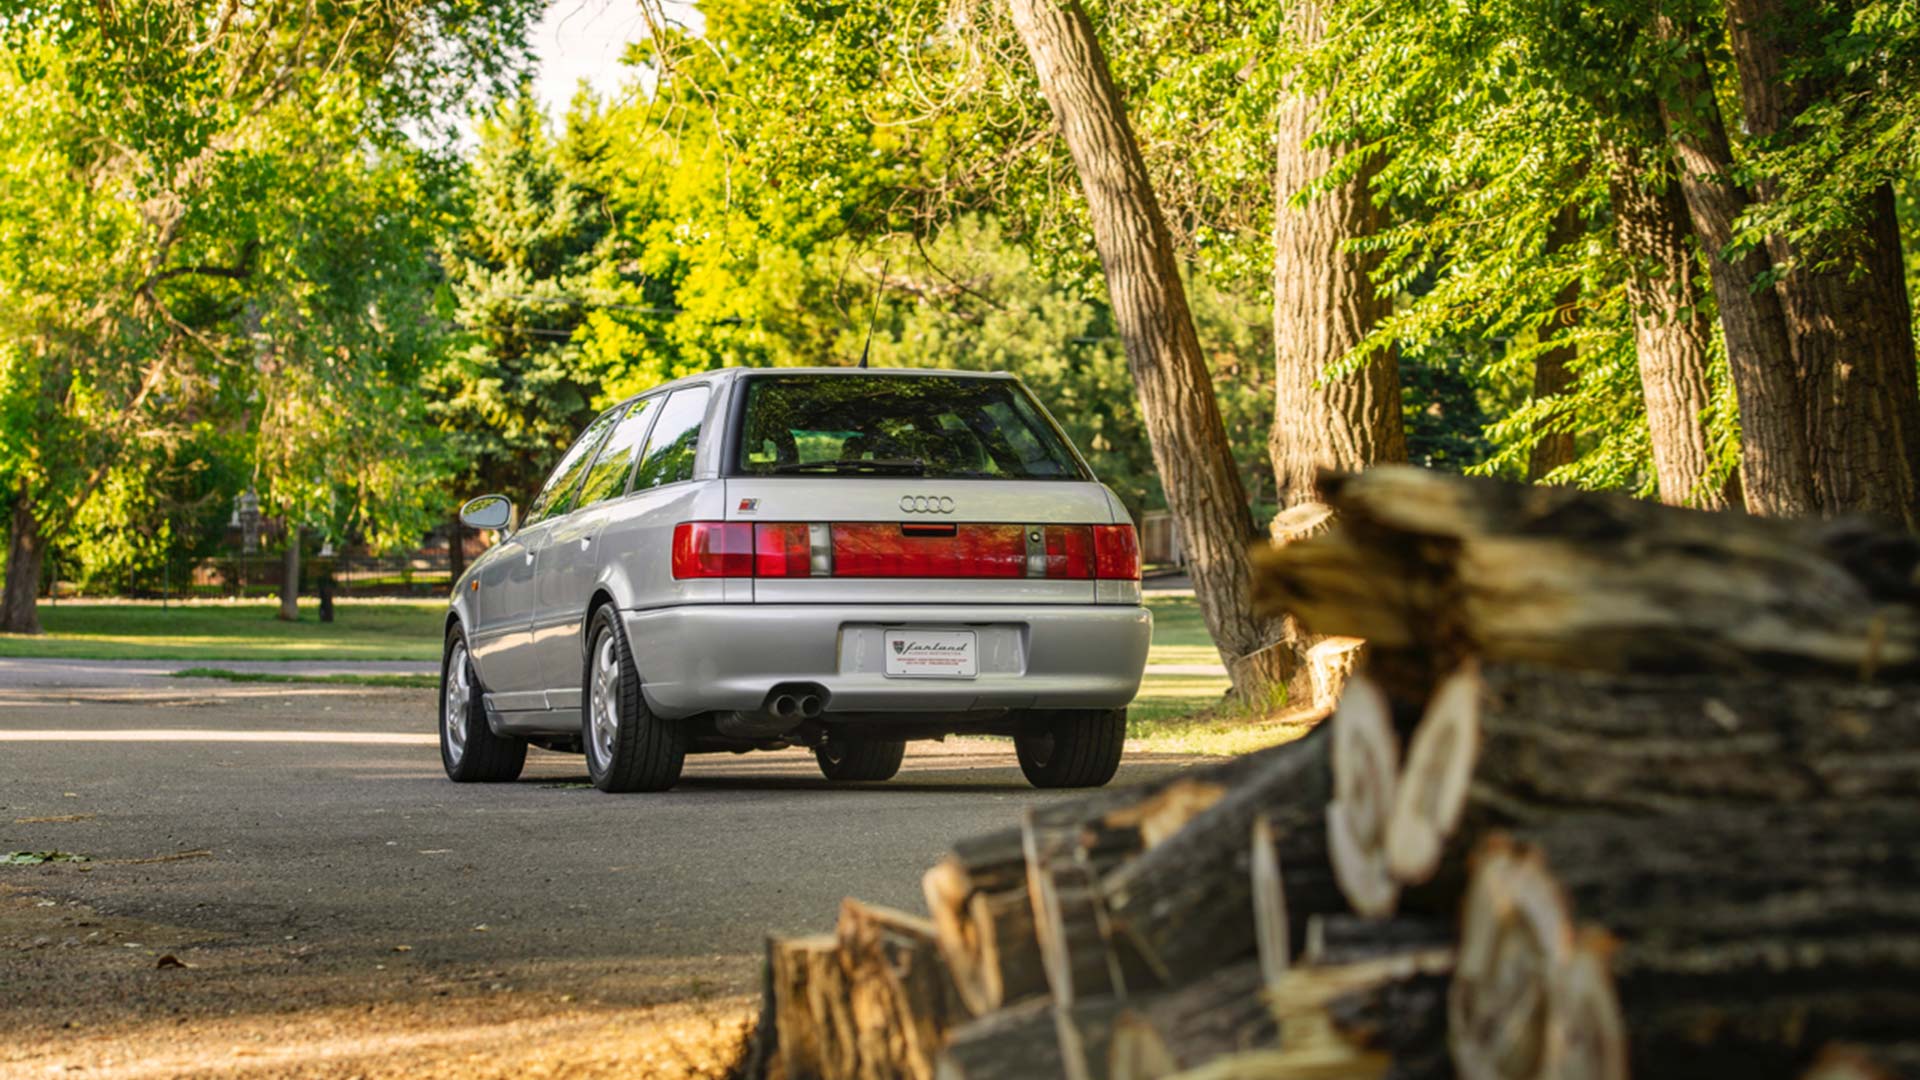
x=25, y=552
x=1671, y=333
x=1776, y=475
x=1190, y=448
x=456, y=549
x=1852, y=326
x=1324, y=304
x=1551, y=374
x=290, y=576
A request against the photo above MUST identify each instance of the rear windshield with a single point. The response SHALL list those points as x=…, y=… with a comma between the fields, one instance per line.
x=898, y=425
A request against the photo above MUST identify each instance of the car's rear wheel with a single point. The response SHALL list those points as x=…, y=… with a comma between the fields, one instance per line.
x=469, y=749
x=853, y=758
x=1068, y=748
x=628, y=748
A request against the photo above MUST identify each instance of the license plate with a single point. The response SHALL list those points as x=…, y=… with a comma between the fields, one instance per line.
x=932, y=654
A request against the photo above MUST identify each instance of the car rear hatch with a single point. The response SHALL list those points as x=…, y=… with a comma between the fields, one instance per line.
x=980, y=542
x=911, y=487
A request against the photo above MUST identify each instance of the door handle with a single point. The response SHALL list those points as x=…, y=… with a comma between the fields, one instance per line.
x=529, y=558
x=586, y=542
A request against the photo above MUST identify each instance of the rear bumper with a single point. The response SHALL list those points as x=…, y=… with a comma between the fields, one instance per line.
x=710, y=657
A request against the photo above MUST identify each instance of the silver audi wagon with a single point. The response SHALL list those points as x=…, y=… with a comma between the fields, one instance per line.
x=840, y=558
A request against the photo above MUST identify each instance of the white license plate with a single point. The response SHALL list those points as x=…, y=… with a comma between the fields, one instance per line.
x=932, y=654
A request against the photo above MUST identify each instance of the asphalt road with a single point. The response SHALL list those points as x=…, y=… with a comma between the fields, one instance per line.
x=343, y=910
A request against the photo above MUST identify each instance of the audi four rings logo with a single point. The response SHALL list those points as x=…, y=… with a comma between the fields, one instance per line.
x=926, y=504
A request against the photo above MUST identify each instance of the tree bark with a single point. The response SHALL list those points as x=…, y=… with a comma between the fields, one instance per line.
x=1672, y=335
x=1324, y=304
x=1188, y=1025
x=290, y=576
x=1852, y=327
x=1185, y=907
x=1190, y=447
x=1444, y=567
x=1776, y=474
x=979, y=894
x=19, y=612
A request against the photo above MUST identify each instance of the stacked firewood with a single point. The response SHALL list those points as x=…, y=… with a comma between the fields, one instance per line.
x=1621, y=790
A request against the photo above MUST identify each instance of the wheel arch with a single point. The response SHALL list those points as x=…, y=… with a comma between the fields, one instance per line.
x=602, y=597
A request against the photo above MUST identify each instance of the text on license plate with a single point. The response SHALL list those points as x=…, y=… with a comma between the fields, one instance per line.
x=951, y=654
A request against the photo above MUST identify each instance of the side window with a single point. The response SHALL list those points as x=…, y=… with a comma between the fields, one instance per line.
x=607, y=479
x=676, y=435
x=555, y=497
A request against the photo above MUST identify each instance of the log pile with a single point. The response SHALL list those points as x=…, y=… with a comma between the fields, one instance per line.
x=1618, y=790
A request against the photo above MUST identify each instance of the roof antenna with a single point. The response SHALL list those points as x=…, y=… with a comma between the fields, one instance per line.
x=875, y=317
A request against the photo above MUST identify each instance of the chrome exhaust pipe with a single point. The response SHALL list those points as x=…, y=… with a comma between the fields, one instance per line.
x=810, y=706
x=786, y=706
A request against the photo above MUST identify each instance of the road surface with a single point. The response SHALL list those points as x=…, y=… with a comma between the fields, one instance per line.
x=340, y=909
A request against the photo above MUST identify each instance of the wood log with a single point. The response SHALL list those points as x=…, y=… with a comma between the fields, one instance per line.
x=1442, y=567
x=901, y=999
x=1735, y=943
x=1136, y=1037
x=1366, y=1001
x=1185, y=907
x=978, y=897
x=1509, y=746
x=815, y=1028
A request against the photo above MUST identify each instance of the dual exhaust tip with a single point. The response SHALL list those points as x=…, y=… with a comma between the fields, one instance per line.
x=801, y=706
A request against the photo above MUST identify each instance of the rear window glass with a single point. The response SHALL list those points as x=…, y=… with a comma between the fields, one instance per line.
x=895, y=425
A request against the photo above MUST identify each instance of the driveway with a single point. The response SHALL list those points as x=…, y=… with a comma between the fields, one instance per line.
x=281, y=882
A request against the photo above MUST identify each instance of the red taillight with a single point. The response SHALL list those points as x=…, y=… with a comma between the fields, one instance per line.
x=782, y=549
x=710, y=549
x=873, y=549
x=1069, y=551
x=1116, y=552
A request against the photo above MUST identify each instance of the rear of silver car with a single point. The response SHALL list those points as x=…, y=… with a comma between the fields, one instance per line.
x=897, y=555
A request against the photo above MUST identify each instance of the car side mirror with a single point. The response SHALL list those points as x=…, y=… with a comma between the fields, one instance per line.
x=488, y=512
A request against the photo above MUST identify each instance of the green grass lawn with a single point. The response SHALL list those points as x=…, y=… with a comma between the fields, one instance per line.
x=1184, y=713
x=246, y=630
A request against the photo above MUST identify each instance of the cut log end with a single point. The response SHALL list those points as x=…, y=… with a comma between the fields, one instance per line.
x=1366, y=764
x=1515, y=935
x=1432, y=790
x=1590, y=1036
x=1270, y=930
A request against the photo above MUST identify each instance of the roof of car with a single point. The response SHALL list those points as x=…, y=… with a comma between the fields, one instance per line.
x=729, y=373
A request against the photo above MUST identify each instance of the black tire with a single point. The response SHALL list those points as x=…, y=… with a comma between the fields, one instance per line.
x=1070, y=748
x=853, y=758
x=638, y=751
x=470, y=751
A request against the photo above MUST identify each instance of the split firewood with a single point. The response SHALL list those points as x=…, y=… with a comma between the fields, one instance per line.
x=1071, y=922
x=1365, y=1002
x=1445, y=567
x=901, y=999
x=1185, y=907
x=1737, y=943
x=1510, y=746
x=1141, y=1036
x=1366, y=769
x=816, y=1036
x=978, y=897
